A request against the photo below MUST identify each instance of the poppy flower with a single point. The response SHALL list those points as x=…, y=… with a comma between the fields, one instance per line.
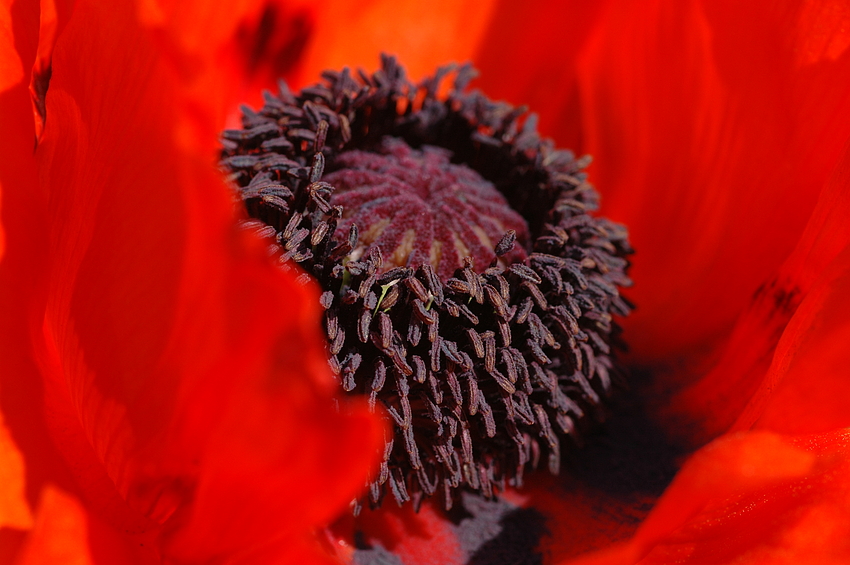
x=165, y=395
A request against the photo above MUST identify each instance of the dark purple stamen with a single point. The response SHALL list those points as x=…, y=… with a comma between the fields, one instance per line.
x=486, y=357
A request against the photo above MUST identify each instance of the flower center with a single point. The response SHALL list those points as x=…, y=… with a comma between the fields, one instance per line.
x=418, y=208
x=467, y=288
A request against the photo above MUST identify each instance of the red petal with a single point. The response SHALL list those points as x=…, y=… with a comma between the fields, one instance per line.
x=22, y=264
x=580, y=517
x=713, y=127
x=227, y=51
x=799, y=521
x=802, y=392
x=740, y=384
x=60, y=532
x=188, y=365
x=65, y=532
x=730, y=499
x=354, y=35
x=424, y=538
x=52, y=20
x=18, y=43
x=14, y=509
x=528, y=57
x=806, y=389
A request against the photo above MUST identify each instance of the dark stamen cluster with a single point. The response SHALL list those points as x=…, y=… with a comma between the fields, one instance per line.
x=483, y=372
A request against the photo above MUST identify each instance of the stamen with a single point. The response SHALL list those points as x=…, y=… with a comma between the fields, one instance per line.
x=466, y=288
